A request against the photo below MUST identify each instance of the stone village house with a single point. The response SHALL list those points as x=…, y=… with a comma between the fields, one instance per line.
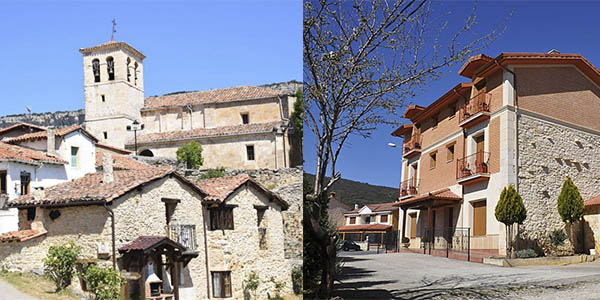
x=171, y=236
x=29, y=160
x=526, y=119
x=239, y=128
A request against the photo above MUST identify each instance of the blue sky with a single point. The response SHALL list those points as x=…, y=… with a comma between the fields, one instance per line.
x=536, y=26
x=189, y=45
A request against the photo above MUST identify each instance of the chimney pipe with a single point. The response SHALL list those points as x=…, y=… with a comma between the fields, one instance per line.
x=51, y=147
x=107, y=168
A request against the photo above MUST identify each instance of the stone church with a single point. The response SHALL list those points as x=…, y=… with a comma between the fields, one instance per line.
x=242, y=127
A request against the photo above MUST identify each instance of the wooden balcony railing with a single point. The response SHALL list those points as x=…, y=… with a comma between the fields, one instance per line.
x=413, y=143
x=184, y=234
x=473, y=164
x=409, y=187
x=477, y=104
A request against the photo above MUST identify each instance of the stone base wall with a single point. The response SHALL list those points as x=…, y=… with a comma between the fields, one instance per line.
x=548, y=153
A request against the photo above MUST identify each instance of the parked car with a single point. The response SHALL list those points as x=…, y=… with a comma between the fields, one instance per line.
x=350, y=245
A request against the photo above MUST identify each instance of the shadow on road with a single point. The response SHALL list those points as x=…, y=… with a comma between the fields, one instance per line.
x=486, y=287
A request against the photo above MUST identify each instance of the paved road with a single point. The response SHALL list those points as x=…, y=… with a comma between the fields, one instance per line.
x=417, y=276
x=7, y=291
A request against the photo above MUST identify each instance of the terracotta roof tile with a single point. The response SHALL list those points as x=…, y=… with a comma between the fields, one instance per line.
x=205, y=132
x=364, y=227
x=211, y=96
x=443, y=194
x=22, y=124
x=219, y=189
x=21, y=154
x=121, y=162
x=376, y=207
x=142, y=243
x=44, y=134
x=593, y=201
x=92, y=189
x=112, y=148
x=20, y=236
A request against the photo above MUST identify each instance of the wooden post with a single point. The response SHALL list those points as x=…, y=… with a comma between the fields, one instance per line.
x=430, y=225
x=403, y=224
x=175, y=276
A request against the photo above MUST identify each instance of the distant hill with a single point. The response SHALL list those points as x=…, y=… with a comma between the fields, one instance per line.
x=354, y=192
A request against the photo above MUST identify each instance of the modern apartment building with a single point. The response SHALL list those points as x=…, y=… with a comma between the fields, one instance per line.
x=526, y=119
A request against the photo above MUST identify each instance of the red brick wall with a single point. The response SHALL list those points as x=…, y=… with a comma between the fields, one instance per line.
x=559, y=92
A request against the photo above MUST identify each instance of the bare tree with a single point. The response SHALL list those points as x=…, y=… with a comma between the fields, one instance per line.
x=363, y=62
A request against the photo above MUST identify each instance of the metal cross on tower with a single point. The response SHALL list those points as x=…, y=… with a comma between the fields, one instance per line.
x=114, y=29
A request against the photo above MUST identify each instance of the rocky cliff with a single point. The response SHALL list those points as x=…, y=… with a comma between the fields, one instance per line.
x=57, y=119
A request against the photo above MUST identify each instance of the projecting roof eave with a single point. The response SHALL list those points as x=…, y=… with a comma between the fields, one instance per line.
x=473, y=64
x=439, y=104
x=113, y=45
x=438, y=198
x=402, y=130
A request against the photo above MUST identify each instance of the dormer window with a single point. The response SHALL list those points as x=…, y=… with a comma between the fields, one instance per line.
x=110, y=68
x=96, y=69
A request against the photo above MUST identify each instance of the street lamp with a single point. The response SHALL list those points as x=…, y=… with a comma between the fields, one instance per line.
x=135, y=126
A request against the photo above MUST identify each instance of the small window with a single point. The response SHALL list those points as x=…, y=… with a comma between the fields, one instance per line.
x=25, y=181
x=74, y=156
x=103, y=98
x=450, y=155
x=260, y=214
x=105, y=133
x=221, y=218
x=3, y=182
x=135, y=67
x=221, y=284
x=352, y=220
x=128, y=71
x=452, y=110
x=383, y=219
x=30, y=213
x=110, y=68
x=96, y=69
x=245, y=118
x=432, y=160
x=250, y=152
x=435, y=121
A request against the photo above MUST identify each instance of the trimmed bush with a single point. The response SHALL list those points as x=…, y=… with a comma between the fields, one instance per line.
x=104, y=283
x=59, y=264
x=510, y=210
x=526, y=253
x=191, y=155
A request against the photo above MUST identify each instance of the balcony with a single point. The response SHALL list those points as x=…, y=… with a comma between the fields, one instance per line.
x=473, y=168
x=412, y=146
x=409, y=188
x=184, y=234
x=475, y=110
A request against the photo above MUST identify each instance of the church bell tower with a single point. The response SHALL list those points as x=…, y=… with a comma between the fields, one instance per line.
x=114, y=91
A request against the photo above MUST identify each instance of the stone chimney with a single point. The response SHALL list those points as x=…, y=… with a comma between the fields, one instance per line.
x=51, y=147
x=107, y=168
x=39, y=193
x=356, y=206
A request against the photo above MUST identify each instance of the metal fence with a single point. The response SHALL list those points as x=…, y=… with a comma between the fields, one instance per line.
x=451, y=240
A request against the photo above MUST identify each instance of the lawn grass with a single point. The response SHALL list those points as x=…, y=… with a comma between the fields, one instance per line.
x=36, y=286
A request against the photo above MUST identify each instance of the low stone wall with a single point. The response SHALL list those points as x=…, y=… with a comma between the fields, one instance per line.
x=538, y=261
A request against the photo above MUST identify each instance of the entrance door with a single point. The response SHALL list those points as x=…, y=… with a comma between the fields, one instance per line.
x=413, y=225
x=479, y=218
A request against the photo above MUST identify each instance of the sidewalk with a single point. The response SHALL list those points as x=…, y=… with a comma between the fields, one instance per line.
x=7, y=291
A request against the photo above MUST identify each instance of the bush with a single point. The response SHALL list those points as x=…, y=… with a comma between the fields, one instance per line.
x=104, y=283
x=526, y=253
x=213, y=173
x=297, y=279
x=59, y=264
x=557, y=237
x=191, y=155
x=277, y=287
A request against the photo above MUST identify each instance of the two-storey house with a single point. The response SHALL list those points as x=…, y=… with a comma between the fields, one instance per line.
x=526, y=119
x=371, y=221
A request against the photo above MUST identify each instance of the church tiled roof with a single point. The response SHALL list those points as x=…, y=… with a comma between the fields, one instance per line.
x=205, y=132
x=210, y=96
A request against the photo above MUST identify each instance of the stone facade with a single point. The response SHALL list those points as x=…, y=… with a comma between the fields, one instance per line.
x=548, y=153
x=90, y=227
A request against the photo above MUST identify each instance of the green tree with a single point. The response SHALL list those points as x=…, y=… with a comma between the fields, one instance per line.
x=510, y=210
x=570, y=204
x=191, y=155
x=59, y=264
x=105, y=283
x=297, y=116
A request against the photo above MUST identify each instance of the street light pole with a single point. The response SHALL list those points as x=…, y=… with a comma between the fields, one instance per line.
x=135, y=126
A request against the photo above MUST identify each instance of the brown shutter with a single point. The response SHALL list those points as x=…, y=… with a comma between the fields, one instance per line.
x=383, y=218
x=479, y=218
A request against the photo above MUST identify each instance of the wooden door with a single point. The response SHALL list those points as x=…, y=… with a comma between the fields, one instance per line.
x=479, y=218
